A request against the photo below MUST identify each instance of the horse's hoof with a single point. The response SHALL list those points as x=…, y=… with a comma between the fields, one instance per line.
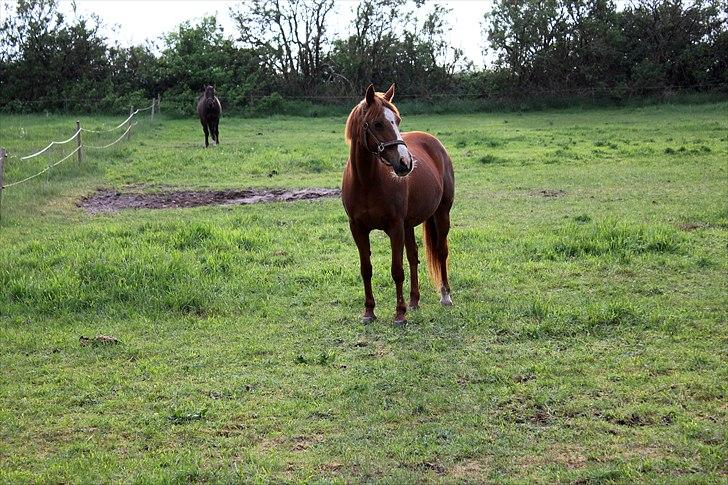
x=367, y=320
x=445, y=299
x=400, y=323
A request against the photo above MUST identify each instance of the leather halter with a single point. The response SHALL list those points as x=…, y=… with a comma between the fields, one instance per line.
x=381, y=145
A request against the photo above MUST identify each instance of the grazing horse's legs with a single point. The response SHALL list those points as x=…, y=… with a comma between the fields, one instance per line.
x=396, y=238
x=217, y=132
x=442, y=221
x=207, y=134
x=410, y=244
x=361, y=238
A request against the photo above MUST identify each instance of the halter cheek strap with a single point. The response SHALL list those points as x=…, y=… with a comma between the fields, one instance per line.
x=381, y=145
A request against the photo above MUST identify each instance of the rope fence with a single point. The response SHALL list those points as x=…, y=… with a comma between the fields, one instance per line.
x=78, y=151
x=115, y=141
x=44, y=170
x=41, y=152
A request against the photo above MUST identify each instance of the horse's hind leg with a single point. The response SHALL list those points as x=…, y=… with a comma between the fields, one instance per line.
x=410, y=244
x=207, y=134
x=217, y=132
x=442, y=221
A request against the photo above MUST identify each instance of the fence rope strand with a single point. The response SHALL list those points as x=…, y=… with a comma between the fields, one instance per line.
x=44, y=170
x=73, y=137
x=120, y=124
x=115, y=141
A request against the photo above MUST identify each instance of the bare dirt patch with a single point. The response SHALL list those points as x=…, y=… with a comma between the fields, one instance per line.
x=109, y=200
x=98, y=340
x=473, y=469
x=571, y=457
x=691, y=226
x=434, y=466
x=301, y=443
x=548, y=193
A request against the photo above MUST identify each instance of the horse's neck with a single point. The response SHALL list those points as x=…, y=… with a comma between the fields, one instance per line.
x=364, y=165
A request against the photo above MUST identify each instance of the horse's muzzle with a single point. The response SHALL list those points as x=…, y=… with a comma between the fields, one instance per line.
x=405, y=164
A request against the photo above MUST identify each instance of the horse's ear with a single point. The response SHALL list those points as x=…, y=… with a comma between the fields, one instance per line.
x=369, y=96
x=390, y=93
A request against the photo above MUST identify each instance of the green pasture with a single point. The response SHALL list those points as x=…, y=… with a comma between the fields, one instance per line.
x=587, y=343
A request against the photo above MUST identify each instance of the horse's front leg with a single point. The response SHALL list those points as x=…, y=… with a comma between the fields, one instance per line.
x=361, y=238
x=207, y=134
x=396, y=238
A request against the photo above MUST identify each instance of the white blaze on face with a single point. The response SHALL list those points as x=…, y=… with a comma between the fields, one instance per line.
x=403, y=152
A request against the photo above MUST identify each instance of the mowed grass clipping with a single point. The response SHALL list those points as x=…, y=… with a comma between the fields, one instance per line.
x=587, y=343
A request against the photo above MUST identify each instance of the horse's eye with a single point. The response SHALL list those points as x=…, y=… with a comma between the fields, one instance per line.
x=378, y=125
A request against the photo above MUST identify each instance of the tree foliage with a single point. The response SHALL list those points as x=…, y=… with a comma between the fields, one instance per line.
x=577, y=44
x=388, y=44
x=291, y=37
x=286, y=49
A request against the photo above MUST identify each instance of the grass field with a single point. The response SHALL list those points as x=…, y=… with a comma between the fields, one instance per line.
x=588, y=341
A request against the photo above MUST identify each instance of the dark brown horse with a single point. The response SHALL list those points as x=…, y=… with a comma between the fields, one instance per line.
x=394, y=182
x=209, y=111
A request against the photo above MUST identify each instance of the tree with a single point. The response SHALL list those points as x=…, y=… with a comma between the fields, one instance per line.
x=593, y=44
x=134, y=68
x=389, y=44
x=586, y=44
x=669, y=42
x=200, y=54
x=527, y=35
x=47, y=59
x=290, y=36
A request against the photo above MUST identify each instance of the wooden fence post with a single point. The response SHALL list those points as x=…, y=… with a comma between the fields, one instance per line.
x=78, y=142
x=2, y=178
x=159, y=103
x=152, y=110
x=128, y=132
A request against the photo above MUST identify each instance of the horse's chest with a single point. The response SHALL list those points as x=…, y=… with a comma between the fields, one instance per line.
x=374, y=210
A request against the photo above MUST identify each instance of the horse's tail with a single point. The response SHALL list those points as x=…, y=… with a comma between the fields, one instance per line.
x=434, y=250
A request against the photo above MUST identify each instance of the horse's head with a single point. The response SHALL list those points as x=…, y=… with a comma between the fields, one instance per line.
x=374, y=123
x=210, y=96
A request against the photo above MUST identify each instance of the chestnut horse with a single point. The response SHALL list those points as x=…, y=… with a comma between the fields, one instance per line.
x=393, y=182
x=209, y=111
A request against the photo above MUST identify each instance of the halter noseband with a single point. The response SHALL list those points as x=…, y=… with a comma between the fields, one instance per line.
x=381, y=145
